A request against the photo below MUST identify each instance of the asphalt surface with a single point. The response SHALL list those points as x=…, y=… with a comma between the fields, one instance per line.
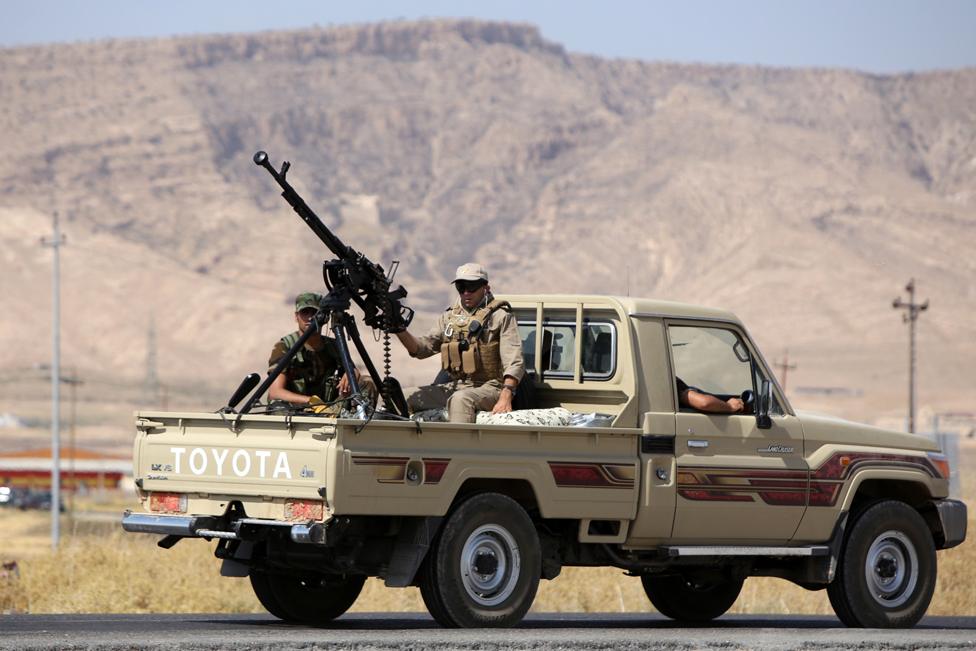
x=417, y=631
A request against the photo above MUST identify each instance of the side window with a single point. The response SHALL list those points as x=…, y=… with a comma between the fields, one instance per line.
x=712, y=360
x=599, y=354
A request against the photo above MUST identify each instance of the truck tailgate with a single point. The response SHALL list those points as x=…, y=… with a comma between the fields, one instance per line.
x=214, y=454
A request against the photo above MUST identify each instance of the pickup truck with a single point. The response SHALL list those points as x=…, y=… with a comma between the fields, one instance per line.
x=690, y=503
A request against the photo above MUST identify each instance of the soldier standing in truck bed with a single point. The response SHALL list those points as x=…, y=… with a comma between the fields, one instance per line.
x=480, y=349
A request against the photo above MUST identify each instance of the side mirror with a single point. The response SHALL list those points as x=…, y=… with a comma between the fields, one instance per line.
x=763, y=421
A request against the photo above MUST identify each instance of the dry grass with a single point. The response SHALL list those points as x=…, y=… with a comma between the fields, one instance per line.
x=100, y=569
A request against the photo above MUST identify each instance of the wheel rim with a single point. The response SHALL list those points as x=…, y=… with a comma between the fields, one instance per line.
x=891, y=569
x=490, y=565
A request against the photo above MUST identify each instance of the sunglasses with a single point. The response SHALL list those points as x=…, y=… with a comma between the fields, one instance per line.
x=465, y=286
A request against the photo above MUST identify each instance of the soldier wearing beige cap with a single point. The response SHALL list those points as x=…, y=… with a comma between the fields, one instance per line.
x=480, y=349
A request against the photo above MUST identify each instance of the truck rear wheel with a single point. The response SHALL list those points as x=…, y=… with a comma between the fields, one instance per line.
x=262, y=590
x=886, y=570
x=313, y=599
x=484, y=568
x=693, y=597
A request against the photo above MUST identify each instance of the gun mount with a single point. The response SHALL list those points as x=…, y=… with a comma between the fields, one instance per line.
x=350, y=278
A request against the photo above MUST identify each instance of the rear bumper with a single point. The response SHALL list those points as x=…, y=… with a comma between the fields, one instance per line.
x=166, y=525
x=952, y=520
x=195, y=526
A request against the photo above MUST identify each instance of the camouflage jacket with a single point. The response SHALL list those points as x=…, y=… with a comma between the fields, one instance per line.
x=310, y=371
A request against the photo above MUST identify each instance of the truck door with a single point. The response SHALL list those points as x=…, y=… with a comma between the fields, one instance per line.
x=736, y=483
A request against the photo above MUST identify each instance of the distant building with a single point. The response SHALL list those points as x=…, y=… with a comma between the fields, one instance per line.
x=81, y=470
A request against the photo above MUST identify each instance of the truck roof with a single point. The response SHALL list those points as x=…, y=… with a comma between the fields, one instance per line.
x=630, y=305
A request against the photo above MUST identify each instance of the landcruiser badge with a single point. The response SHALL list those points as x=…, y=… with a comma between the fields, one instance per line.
x=776, y=449
x=307, y=473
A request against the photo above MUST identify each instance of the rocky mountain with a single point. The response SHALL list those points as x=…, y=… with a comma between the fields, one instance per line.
x=801, y=199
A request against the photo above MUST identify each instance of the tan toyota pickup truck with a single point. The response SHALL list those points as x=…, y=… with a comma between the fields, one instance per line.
x=691, y=503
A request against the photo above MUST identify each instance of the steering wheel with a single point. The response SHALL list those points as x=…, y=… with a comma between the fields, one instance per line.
x=749, y=400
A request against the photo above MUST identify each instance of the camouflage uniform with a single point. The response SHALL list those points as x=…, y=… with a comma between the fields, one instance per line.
x=311, y=372
x=466, y=394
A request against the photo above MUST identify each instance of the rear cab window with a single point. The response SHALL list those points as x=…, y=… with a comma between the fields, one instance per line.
x=558, y=351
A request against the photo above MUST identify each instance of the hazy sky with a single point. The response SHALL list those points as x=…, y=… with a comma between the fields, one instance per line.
x=871, y=35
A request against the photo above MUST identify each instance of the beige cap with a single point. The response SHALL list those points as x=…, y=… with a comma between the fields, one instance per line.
x=471, y=271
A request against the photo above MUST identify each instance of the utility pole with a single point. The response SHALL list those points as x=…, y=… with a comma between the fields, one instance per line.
x=784, y=366
x=151, y=383
x=55, y=243
x=912, y=309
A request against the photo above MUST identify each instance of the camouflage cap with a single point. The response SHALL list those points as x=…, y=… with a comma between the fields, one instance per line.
x=471, y=271
x=307, y=299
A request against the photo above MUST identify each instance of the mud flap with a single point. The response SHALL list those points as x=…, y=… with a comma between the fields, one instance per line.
x=230, y=567
x=412, y=544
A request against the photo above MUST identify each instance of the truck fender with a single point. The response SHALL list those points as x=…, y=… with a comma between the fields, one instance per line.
x=918, y=482
x=410, y=549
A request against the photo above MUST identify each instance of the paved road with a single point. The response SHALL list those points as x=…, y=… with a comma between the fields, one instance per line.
x=415, y=631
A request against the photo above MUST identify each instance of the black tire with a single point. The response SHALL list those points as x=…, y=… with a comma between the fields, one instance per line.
x=262, y=590
x=692, y=597
x=313, y=599
x=427, y=580
x=887, y=569
x=483, y=570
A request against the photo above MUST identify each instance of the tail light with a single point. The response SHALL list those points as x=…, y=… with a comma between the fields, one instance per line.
x=304, y=510
x=167, y=502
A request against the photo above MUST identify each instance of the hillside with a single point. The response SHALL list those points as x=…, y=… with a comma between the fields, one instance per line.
x=803, y=200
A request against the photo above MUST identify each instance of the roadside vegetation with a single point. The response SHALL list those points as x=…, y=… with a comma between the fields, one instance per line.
x=99, y=569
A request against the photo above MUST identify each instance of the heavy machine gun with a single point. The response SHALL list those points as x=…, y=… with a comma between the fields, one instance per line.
x=350, y=278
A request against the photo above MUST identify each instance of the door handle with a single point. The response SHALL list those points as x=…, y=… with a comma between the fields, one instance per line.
x=697, y=443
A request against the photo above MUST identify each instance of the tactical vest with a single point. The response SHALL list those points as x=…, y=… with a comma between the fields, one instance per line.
x=471, y=357
x=308, y=374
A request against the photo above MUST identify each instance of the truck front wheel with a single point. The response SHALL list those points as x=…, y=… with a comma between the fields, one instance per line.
x=886, y=570
x=483, y=569
x=692, y=597
x=310, y=599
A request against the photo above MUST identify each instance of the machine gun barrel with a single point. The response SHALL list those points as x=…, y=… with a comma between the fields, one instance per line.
x=366, y=282
x=307, y=214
